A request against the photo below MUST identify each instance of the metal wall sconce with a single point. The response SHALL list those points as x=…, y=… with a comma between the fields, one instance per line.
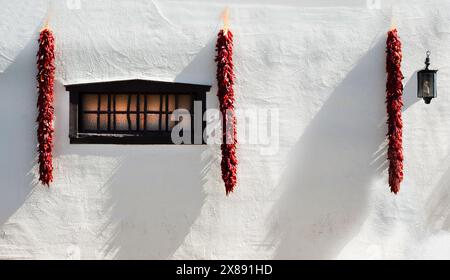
x=427, y=82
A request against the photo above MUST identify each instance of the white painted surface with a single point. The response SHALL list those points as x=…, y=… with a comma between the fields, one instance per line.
x=323, y=195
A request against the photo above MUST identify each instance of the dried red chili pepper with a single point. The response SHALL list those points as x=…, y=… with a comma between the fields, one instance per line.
x=225, y=81
x=394, y=104
x=45, y=80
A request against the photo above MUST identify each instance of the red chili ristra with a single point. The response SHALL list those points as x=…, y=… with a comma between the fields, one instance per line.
x=45, y=80
x=394, y=104
x=225, y=81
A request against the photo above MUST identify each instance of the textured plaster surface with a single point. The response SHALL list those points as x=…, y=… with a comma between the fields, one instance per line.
x=322, y=194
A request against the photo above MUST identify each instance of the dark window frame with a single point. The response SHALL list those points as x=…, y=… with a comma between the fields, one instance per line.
x=198, y=93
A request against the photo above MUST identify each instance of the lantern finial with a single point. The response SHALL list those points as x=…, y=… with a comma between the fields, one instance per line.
x=427, y=60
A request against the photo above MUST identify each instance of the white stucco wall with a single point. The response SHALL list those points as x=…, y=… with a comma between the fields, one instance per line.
x=323, y=194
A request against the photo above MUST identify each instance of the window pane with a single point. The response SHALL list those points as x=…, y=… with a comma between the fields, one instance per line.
x=89, y=121
x=133, y=118
x=133, y=104
x=171, y=102
x=152, y=122
x=104, y=102
x=103, y=122
x=89, y=102
x=153, y=102
x=164, y=103
x=184, y=102
x=141, y=102
x=121, y=102
x=141, y=122
x=121, y=122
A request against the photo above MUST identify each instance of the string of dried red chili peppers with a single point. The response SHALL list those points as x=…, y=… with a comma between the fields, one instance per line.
x=225, y=93
x=45, y=79
x=394, y=104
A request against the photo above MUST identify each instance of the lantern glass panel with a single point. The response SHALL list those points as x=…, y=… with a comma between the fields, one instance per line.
x=427, y=84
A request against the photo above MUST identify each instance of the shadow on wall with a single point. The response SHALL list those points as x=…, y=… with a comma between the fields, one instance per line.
x=326, y=186
x=18, y=126
x=438, y=206
x=154, y=200
x=410, y=92
x=195, y=72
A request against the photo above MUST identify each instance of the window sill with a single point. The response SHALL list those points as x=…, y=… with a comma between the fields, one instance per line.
x=124, y=139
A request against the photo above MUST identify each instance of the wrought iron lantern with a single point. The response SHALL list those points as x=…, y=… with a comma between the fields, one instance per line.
x=427, y=82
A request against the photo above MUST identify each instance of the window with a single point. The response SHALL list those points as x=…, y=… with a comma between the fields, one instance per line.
x=132, y=112
x=129, y=113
